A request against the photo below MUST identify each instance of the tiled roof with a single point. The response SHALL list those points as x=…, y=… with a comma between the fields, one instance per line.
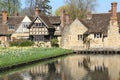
x=54, y=19
x=49, y=20
x=99, y=23
x=16, y=20
x=46, y=20
x=12, y=21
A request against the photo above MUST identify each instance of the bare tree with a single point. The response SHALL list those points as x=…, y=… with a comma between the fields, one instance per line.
x=79, y=8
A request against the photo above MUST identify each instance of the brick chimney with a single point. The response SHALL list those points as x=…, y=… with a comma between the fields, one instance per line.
x=37, y=11
x=67, y=18
x=4, y=17
x=63, y=18
x=114, y=11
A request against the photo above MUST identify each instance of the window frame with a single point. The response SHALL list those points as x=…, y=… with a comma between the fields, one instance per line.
x=80, y=37
x=25, y=24
x=98, y=35
x=39, y=24
x=11, y=27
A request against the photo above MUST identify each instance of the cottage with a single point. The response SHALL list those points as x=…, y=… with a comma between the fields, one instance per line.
x=43, y=28
x=97, y=31
x=8, y=25
x=38, y=28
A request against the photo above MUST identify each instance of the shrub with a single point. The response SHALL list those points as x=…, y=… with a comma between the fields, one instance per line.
x=21, y=43
x=54, y=42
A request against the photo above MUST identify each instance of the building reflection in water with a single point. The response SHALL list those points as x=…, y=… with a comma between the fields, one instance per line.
x=74, y=67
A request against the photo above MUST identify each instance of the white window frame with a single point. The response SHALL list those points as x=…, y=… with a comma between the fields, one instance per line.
x=98, y=35
x=80, y=37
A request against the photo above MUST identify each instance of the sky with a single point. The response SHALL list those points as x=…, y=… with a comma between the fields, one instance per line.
x=103, y=6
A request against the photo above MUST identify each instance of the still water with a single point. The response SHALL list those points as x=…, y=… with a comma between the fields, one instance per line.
x=72, y=67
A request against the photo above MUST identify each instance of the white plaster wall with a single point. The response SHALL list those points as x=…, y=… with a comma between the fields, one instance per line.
x=21, y=29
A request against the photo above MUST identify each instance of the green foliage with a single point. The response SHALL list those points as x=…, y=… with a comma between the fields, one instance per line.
x=58, y=11
x=54, y=42
x=21, y=43
x=14, y=56
x=45, y=6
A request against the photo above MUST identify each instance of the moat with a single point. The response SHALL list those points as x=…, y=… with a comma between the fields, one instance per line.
x=71, y=67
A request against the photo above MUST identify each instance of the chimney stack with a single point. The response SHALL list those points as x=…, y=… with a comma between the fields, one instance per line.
x=89, y=15
x=114, y=11
x=4, y=17
x=37, y=11
x=67, y=19
x=62, y=17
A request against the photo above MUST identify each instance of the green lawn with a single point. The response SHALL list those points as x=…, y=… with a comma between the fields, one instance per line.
x=14, y=56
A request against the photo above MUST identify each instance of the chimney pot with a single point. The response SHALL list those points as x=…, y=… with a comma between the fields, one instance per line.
x=114, y=10
x=4, y=16
x=37, y=11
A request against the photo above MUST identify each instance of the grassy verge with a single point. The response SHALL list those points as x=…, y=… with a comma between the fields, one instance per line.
x=28, y=66
x=15, y=56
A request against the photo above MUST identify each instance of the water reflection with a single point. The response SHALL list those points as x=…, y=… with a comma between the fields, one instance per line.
x=73, y=67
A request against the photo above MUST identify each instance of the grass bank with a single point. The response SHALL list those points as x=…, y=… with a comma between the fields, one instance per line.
x=15, y=56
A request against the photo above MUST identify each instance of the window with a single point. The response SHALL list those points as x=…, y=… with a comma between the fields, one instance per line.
x=98, y=35
x=39, y=24
x=80, y=37
x=25, y=24
x=11, y=28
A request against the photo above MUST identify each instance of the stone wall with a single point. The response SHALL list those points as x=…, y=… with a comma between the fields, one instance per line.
x=70, y=37
x=113, y=38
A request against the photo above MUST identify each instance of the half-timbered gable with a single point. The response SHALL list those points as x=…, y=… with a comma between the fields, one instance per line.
x=41, y=29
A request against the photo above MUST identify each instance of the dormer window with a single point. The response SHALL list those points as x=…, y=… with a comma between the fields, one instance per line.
x=97, y=35
x=11, y=28
x=39, y=24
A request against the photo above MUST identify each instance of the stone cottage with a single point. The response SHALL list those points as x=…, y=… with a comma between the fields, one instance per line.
x=97, y=31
